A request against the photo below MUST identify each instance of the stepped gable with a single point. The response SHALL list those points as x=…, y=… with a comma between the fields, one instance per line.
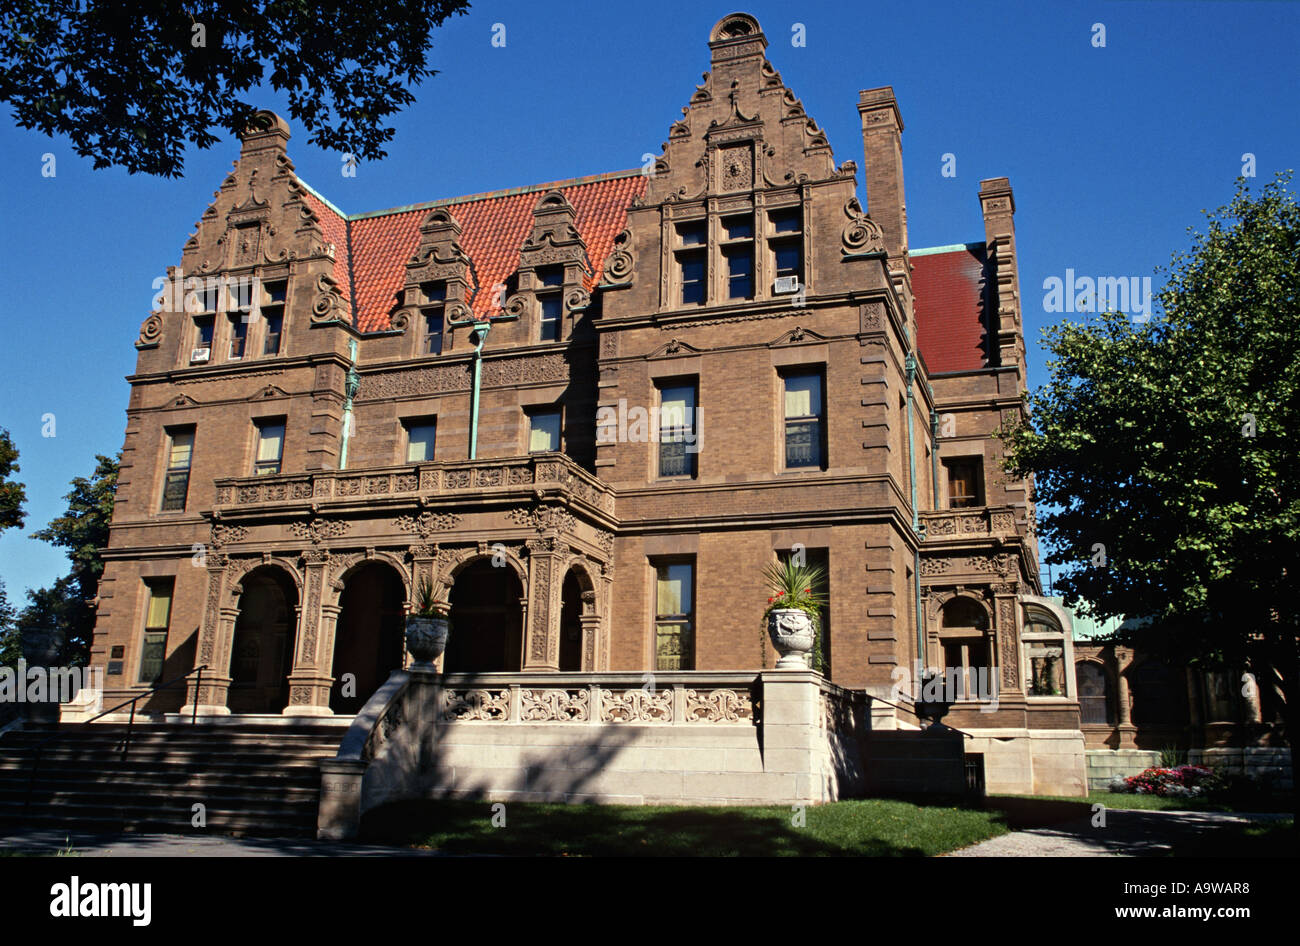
x=373, y=248
x=949, y=288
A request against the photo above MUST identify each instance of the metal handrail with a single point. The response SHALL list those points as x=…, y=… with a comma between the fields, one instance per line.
x=126, y=746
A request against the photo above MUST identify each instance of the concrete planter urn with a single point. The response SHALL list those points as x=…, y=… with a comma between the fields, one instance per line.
x=426, y=638
x=791, y=630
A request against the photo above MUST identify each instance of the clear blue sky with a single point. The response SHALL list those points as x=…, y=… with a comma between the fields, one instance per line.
x=1113, y=152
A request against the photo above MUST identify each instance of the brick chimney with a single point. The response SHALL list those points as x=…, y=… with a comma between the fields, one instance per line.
x=882, y=149
x=998, y=206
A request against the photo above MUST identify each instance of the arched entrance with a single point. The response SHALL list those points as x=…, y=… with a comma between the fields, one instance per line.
x=487, y=631
x=261, y=653
x=571, y=623
x=370, y=639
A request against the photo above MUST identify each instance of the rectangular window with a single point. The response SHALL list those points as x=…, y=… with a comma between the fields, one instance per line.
x=804, y=420
x=788, y=258
x=677, y=436
x=158, y=612
x=433, y=330
x=674, y=616
x=738, y=252
x=203, y=327
x=694, y=269
x=238, y=335
x=550, y=276
x=695, y=233
x=786, y=220
x=180, y=453
x=543, y=431
x=963, y=659
x=274, y=326
x=965, y=482
x=740, y=271
x=552, y=305
x=204, y=299
x=419, y=439
x=270, y=447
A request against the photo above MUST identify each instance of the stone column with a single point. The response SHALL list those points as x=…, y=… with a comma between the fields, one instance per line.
x=1124, y=702
x=1008, y=636
x=590, y=633
x=310, y=680
x=207, y=691
x=542, y=632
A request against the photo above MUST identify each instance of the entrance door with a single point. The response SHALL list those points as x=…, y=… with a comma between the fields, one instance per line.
x=261, y=654
x=370, y=639
x=487, y=633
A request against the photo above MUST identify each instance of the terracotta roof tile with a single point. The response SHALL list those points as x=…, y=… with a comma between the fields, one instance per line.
x=494, y=226
x=335, y=228
x=948, y=290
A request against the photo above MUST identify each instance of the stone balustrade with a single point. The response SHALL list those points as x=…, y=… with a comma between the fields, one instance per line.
x=551, y=472
x=969, y=523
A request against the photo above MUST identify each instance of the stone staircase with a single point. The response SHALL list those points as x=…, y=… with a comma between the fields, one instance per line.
x=251, y=779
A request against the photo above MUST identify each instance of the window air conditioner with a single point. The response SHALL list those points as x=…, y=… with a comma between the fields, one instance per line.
x=787, y=284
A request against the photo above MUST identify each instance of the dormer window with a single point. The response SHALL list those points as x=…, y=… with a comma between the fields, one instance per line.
x=432, y=315
x=550, y=300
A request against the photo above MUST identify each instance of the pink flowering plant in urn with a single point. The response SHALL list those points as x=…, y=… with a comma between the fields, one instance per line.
x=793, y=613
x=428, y=626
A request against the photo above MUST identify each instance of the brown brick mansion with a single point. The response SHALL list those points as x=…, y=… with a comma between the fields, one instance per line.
x=590, y=412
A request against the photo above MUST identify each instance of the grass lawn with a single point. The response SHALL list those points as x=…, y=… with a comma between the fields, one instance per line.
x=1122, y=800
x=872, y=827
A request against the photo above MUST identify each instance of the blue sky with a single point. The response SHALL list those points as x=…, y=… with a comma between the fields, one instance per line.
x=1112, y=152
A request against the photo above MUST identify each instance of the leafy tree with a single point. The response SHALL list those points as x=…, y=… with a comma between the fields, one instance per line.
x=83, y=531
x=131, y=84
x=1164, y=455
x=10, y=649
x=12, y=494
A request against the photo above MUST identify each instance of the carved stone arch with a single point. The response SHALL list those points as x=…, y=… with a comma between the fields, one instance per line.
x=353, y=561
x=445, y=571
x=940, y=600
x=735, y=26
x=588, y=574
x=239, y=569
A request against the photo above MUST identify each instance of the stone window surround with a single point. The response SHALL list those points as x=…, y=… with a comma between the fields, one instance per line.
x=765, y=236
x=222, y=332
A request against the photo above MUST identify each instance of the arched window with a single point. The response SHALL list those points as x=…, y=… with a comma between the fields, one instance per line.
x=1044, y=646
x=1096, y=703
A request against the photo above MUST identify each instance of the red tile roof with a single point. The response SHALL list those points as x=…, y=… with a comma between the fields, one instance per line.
x=948, y=291
x=372, y=249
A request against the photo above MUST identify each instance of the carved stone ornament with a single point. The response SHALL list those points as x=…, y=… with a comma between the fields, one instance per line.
x=150, y=331
x=427, y=523
x=317, y=531
x=620, y=265
x=330, y=305
x=223, y=534
x=861, y=234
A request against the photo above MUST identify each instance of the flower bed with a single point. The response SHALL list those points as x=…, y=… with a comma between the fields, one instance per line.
x=1181, y=781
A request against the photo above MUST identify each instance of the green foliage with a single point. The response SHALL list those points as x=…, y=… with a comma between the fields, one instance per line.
x=1170, y=448
x=10, y=643
x=12, y=494
x=83, y=531
x=427, y=604
x=134, y=84
x=795, y=586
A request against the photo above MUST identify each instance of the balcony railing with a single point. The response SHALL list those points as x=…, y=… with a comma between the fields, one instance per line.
x=445, y=478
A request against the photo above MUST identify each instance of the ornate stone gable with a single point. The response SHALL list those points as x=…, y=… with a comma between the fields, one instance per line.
x=742, y=129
